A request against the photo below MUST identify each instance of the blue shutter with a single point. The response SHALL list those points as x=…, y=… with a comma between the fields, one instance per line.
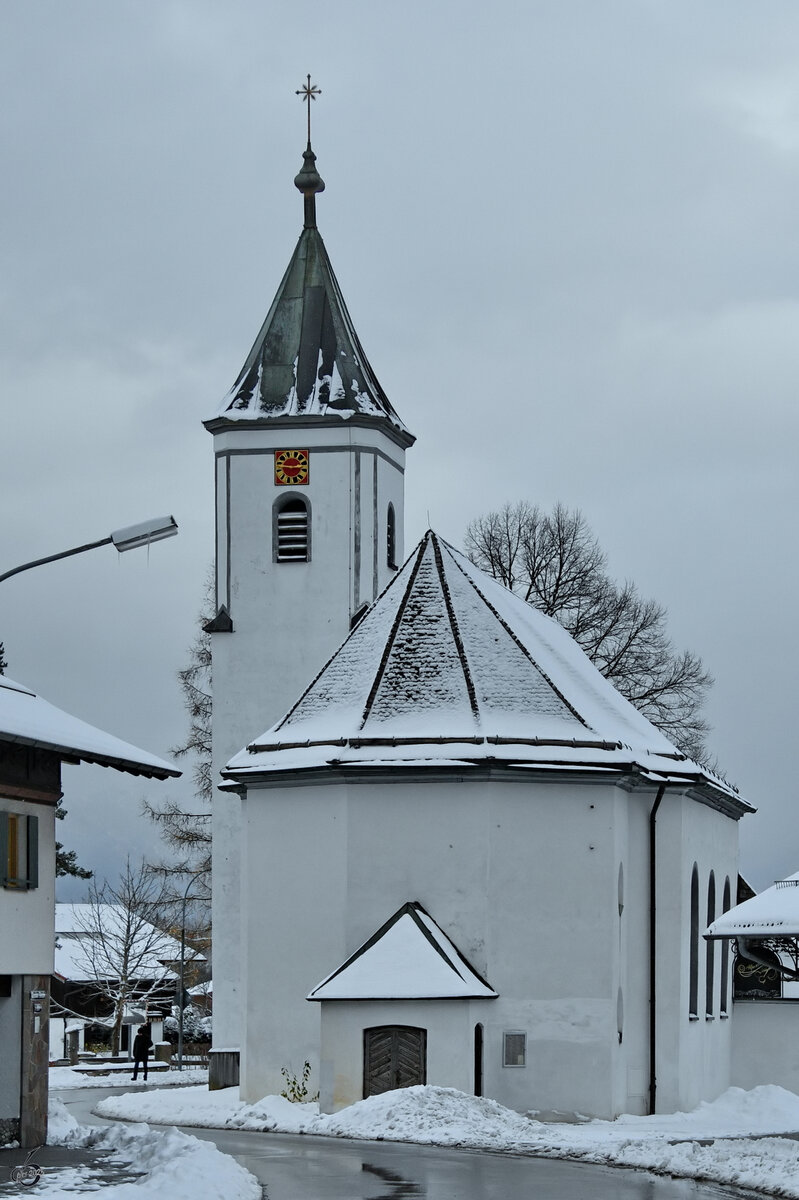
x=32, y=850
x=3, y=849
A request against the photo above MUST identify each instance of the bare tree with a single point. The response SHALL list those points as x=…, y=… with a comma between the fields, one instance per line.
x=122, y=951
x=554, y=562
x=187, y=830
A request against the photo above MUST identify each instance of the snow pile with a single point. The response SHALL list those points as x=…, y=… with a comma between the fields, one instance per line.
x=435, y=1115
x=62, y=1078
x=62, y=1128
x=171, y=1163
x=736, y=1153
x=196, y=1106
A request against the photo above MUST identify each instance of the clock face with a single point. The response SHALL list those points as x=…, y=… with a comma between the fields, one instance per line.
x=291, y=467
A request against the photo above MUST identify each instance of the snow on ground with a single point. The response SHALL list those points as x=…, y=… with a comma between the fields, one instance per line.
x=66, y=1077
x=168, y=1163
x=724, y=1141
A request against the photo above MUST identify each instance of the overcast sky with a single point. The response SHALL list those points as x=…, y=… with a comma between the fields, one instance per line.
x=567, y=234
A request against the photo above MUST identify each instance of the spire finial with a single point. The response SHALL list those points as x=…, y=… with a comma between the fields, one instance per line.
x=309, y=91
x=309, y=181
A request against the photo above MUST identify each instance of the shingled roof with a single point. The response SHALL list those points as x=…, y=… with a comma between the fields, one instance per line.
x=448, y=665
x=307, y=360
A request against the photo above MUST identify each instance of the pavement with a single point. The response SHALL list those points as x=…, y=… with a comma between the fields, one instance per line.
x=58, y=1158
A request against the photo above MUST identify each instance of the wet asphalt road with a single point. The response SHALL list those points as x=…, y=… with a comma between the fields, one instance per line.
x=313, y=1168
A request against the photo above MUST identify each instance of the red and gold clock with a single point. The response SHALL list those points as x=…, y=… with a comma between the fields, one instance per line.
x=291, y=467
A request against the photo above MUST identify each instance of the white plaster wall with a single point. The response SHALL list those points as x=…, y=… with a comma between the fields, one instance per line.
x=449, y=1025
x=288, y=618
x=632, y=846
x=765, y=1043
x=27, y=918
x=693, y=1055
x=524, y=878
x=11, y=1042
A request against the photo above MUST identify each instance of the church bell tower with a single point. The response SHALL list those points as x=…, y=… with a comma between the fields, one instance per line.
x=309, y=473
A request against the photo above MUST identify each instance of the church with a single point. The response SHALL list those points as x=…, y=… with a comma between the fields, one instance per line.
x=446, y=850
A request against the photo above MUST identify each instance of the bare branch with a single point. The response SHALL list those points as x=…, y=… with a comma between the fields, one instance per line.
x=554, y=561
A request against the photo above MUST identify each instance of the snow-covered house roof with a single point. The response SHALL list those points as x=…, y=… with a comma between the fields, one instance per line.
x=29, y=720
x=78, y=926
x=307, y=360
x=774, y=913
x=408, y=958
x=449, y=666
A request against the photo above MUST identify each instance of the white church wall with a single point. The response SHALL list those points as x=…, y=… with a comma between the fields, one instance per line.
x=522, y=876
x=693, y=1051
x=449, y=1025
x=631, y=1084
x=765, y=1045
x=288, y=618
x=294, y=842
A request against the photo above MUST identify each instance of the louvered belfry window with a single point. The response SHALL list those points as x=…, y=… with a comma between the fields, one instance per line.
x=292, y=532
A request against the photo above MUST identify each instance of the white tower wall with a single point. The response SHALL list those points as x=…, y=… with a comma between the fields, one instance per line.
x=287, y=617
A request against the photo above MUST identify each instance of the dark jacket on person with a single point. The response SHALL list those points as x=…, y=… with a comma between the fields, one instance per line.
x=142, y=1043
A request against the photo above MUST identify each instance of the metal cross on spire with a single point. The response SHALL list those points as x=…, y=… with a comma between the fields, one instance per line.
x=309, y=91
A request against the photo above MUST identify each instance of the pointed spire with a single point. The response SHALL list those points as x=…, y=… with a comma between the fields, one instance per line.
x=309, y=181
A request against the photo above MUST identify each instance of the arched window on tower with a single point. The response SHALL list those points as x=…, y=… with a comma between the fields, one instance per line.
x=710, y=947
x=391, y=538
x=725, y=956
x=693, y=977
x=291, y=530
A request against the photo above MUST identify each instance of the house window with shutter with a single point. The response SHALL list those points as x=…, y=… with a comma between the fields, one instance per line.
x=291, y=530
x=19, y=851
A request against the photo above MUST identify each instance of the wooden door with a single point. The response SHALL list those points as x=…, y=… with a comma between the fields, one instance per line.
x=394, y=1056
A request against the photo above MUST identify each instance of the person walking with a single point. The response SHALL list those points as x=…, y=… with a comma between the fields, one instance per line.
x=141, y=1050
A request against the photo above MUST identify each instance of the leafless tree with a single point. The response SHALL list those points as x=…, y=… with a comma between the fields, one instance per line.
x=554, y=561
x=123, y=951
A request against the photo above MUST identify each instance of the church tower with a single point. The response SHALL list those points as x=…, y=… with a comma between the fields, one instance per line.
x=309, y=462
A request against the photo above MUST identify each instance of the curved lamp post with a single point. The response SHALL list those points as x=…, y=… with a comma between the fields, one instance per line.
x=128, y=538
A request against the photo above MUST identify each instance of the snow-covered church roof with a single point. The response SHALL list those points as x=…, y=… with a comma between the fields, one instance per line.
x=307, y=360
x=773, y=913
x=408, y=958
x=449, y=666
x=31, y=721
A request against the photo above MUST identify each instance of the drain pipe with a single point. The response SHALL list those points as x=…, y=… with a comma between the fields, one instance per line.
x=653, y=947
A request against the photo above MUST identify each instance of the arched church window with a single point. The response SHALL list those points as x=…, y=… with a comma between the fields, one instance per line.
x=725, y=955
x=693, y=976
x=291, y=530
x=710, y=947
x=391, y=538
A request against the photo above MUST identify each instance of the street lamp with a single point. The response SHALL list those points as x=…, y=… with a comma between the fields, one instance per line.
x=128, y=538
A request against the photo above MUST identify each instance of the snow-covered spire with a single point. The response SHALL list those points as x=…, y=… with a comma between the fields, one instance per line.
x=307, y=360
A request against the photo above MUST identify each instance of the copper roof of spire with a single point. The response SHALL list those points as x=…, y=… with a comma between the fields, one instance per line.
x=307, y=360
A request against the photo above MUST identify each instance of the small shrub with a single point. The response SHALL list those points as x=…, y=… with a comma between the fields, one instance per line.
x=296, y=1089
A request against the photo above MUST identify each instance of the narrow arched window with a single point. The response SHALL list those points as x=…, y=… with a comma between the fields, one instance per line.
x=391, y=538
x=710, y=947
x=725, y=955
x=291, y=531
x=693, y=977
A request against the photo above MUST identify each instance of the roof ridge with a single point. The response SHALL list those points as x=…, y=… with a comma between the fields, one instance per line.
x=392, y=634
x=517, y=640
x=456, y=633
